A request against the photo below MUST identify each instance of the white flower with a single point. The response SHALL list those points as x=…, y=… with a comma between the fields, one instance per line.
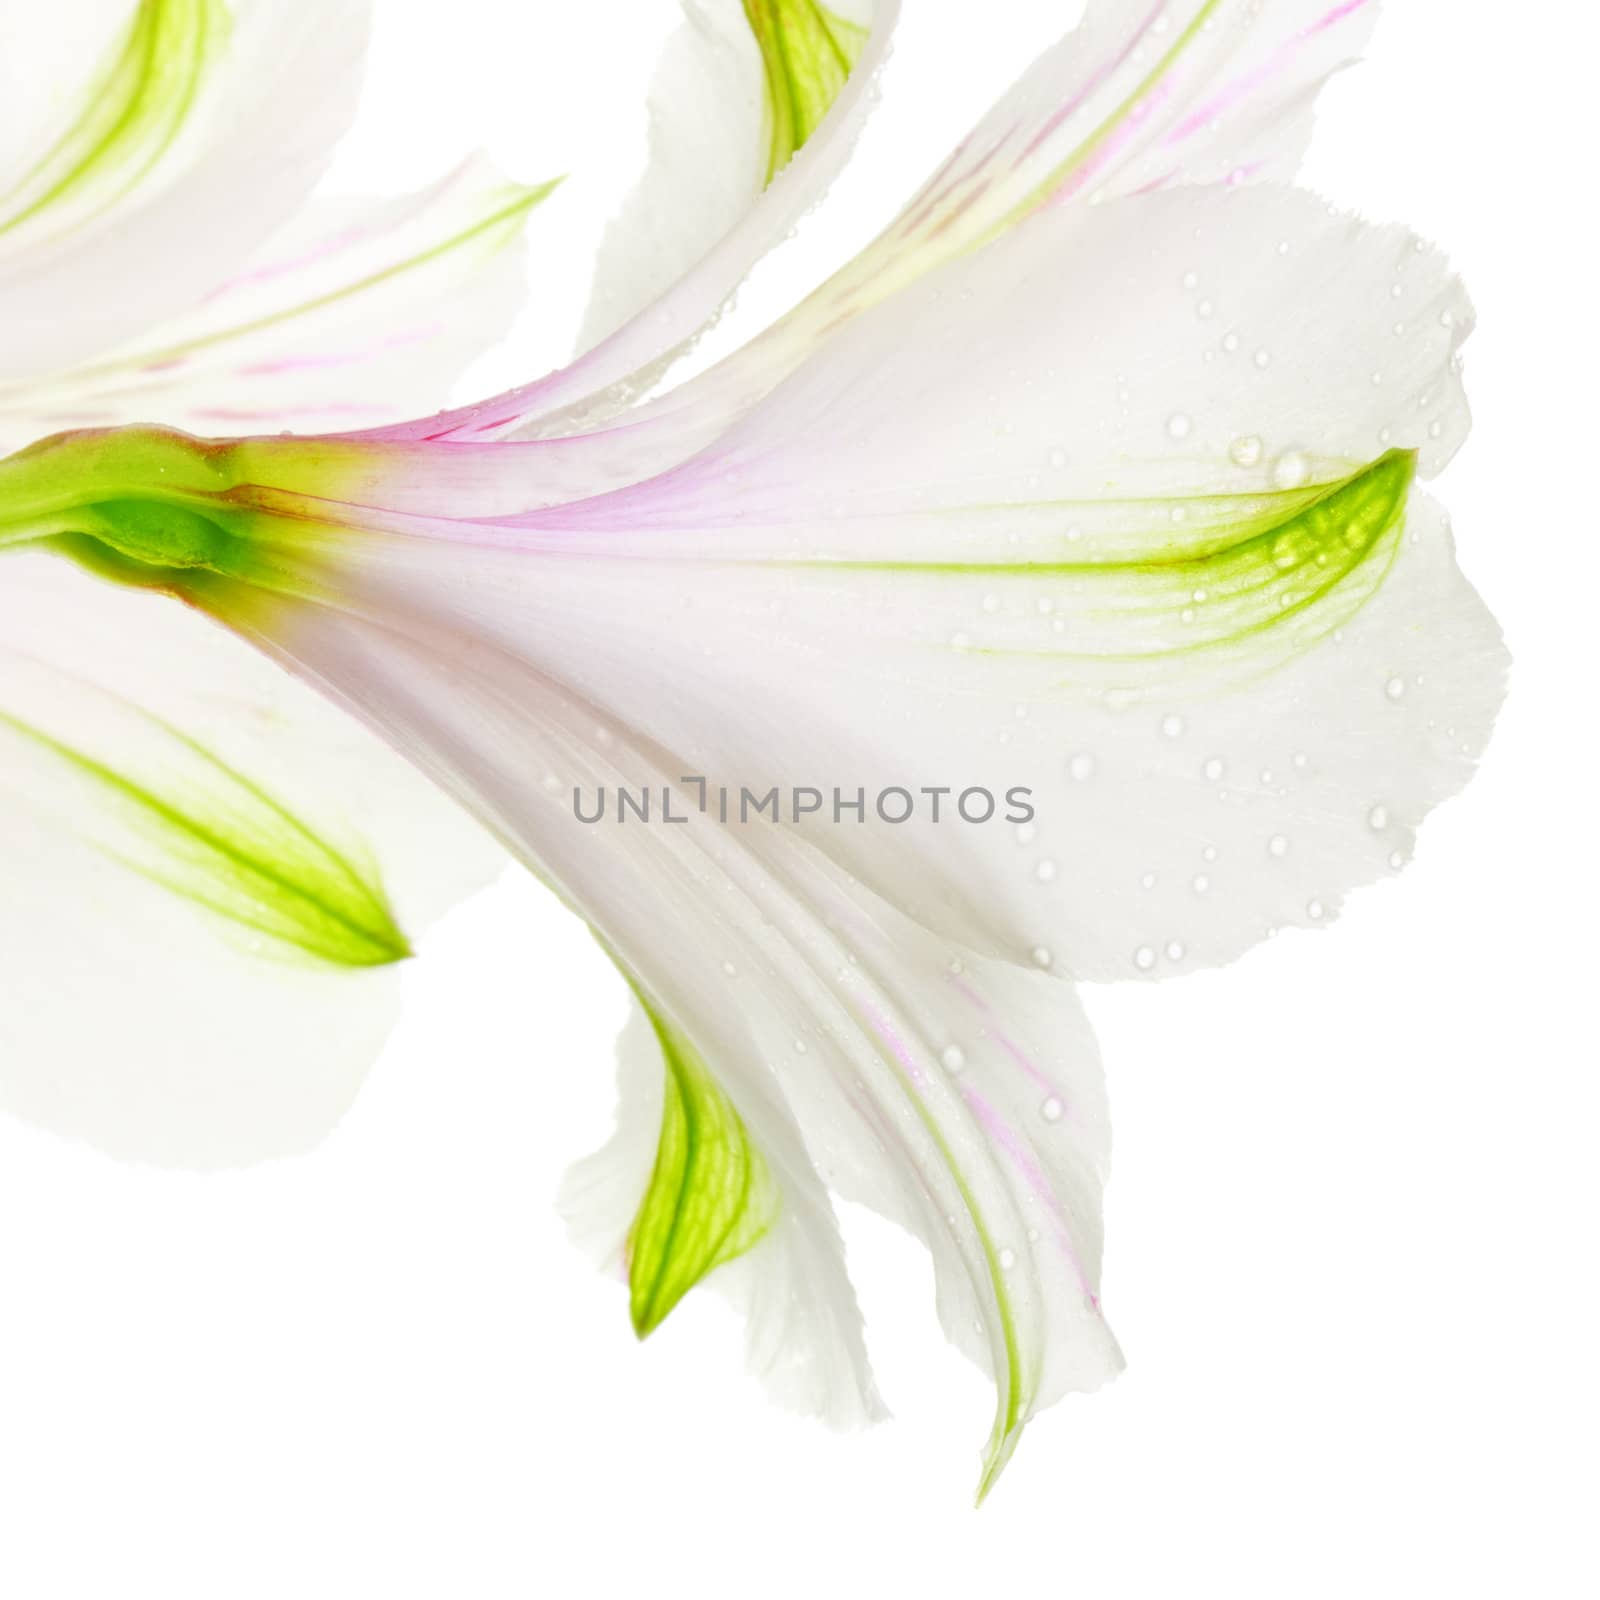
x=1072, y=489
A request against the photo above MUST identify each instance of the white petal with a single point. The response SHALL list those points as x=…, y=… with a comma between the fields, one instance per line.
x=812, y=1001
x=1135, y=98
x=356, y=311
x=704, y=215
x=268, y=87
x=804, y=1340
x=158, y=1010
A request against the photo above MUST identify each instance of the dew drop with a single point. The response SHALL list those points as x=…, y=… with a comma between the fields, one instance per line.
x=1291, y=470
x=1008, y=1259
x=1041, y=956
x=1202, y=884
x=1246, y=451
x=1052, y=1110
x=1263, y=359
x=1176, y=951
x=1214, y=769
x=1144, y=958
x=1081, y=768
x=1278, y=845
x=1045, y=872
x=1172, y=726
x=1395, y=688
x=1180, y=425
x=953, y=1058
x=1378, y=818
x=1396, y=860
x=1026, y=833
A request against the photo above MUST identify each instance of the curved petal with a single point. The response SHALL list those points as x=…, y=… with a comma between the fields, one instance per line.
x=780, y=1263
x=361, y=310
x=715, y=198
x=960, y=1096
x=1137, y=97
x=208, y=873
x=1141, y=95
x=234, y=112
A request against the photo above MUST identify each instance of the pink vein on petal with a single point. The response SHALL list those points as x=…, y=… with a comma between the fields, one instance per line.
x=1245, y=86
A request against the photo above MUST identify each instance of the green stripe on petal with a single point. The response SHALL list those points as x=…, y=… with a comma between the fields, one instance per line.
x=807, y=53
x=711, y=1196
x=133, y=112
x=503, y=214
x=203, y=830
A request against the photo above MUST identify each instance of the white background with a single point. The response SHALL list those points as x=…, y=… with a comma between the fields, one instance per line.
x=1351, y=1249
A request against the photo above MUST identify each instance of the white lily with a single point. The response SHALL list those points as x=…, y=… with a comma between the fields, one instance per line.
x=1109, y=503
x=159, y=257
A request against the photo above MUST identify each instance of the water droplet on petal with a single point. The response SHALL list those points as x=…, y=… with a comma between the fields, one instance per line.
x=1246, y=451
x=1378, y=818
x=1081, y=768
x=953, y=1058
x=1144, y=958
x=1278, y=845
x=1045, y=872
x=1395, y=688
x=1180, y=425
x=1291, y=470
x=1052, y=1110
